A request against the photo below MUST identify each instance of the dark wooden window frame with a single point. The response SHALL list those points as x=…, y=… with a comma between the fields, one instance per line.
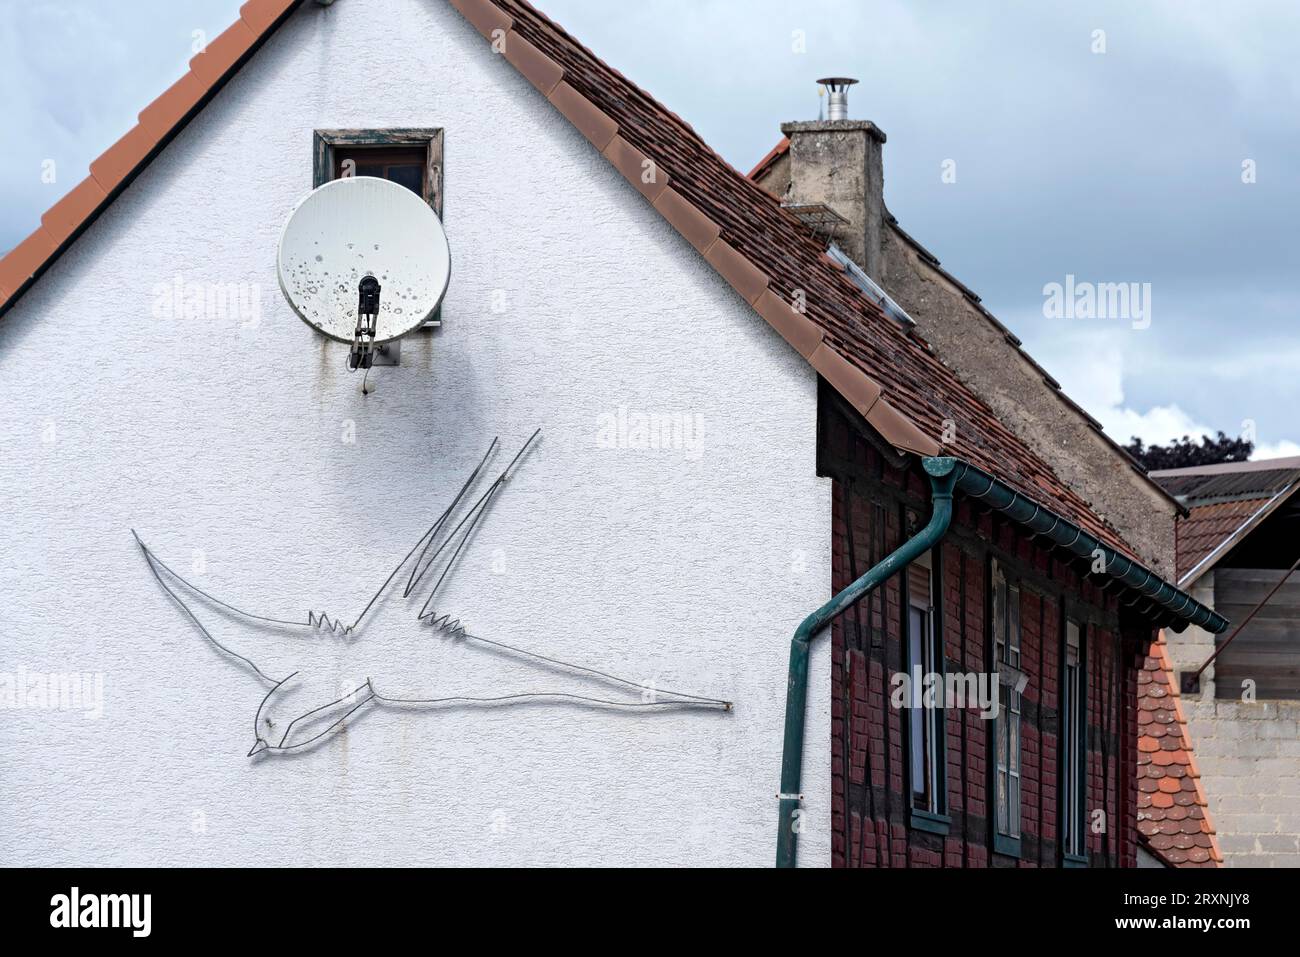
x=326, y=144
x=937, y=820
x=1080, y=858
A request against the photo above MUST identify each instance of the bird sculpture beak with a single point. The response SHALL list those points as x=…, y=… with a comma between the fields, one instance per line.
x=258, y=746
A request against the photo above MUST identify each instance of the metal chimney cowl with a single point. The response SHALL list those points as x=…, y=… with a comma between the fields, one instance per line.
x=837, y=107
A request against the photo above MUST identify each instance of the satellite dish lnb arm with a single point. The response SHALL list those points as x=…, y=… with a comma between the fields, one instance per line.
x=363, y=339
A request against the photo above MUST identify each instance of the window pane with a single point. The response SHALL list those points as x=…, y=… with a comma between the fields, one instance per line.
x=917, y=743
x=1002, y=801
x=403, y=165
x=1072, y=740
x=1013, y=759
x=412, y=177
x=1013, y=810
x=1069, y=761
x=1013, y=625
x=934, y=756
x=1002, y=721
x=999, y=618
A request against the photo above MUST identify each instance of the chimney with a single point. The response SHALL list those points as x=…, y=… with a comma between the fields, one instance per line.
x=837, y=162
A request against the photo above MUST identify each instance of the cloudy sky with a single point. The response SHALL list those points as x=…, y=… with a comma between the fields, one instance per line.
x=1111, y=156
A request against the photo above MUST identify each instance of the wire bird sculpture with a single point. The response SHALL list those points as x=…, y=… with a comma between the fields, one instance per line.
x=435, y=544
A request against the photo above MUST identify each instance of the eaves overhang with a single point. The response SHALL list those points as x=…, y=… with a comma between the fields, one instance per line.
x=1146, y=592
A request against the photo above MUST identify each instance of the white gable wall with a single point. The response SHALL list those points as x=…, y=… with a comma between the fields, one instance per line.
x=224, y=446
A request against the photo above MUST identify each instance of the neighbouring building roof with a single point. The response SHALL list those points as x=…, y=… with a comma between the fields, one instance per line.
x=771, y=159
x=1173, y=816
x=771, y=259
x=1225, y=503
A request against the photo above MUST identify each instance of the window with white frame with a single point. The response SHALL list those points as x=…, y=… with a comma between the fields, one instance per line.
x=1006, y=659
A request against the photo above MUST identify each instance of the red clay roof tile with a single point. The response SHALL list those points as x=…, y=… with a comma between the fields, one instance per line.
x=121, y=159
x=637, y=168
x=537, y=68
x=743, y=275
x=484, y=15
x=774, y=154
x=861, y=392
x=173, y=106
x=1173, y=814
x=64, y=218
x=1207, y=526
x=221, y=54
x=795, y=328
x=260, y=14
x=707, y=198
x=700, y=231
x=588, y=118
x=900, y=430
x=24, y=259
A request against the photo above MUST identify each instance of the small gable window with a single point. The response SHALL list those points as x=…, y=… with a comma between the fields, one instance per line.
x=411, y=157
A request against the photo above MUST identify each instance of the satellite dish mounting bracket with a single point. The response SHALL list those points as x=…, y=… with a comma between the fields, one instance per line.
x=364, y=353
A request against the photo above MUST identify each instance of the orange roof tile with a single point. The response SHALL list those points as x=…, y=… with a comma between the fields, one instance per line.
x=1173, y=816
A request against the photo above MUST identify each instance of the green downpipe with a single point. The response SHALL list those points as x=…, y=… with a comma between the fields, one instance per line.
x=942, y=480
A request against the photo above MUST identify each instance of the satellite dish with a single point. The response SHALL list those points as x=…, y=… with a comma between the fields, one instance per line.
x=363, y=260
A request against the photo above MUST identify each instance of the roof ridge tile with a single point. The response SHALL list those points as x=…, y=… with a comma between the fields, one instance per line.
x=220, y=55
x=64, y=218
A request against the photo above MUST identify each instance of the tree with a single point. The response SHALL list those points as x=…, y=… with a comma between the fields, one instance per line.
x=1184, y=453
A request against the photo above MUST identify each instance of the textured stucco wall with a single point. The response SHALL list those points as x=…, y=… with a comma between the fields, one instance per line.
x=1248, y=753
x=226, y=447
